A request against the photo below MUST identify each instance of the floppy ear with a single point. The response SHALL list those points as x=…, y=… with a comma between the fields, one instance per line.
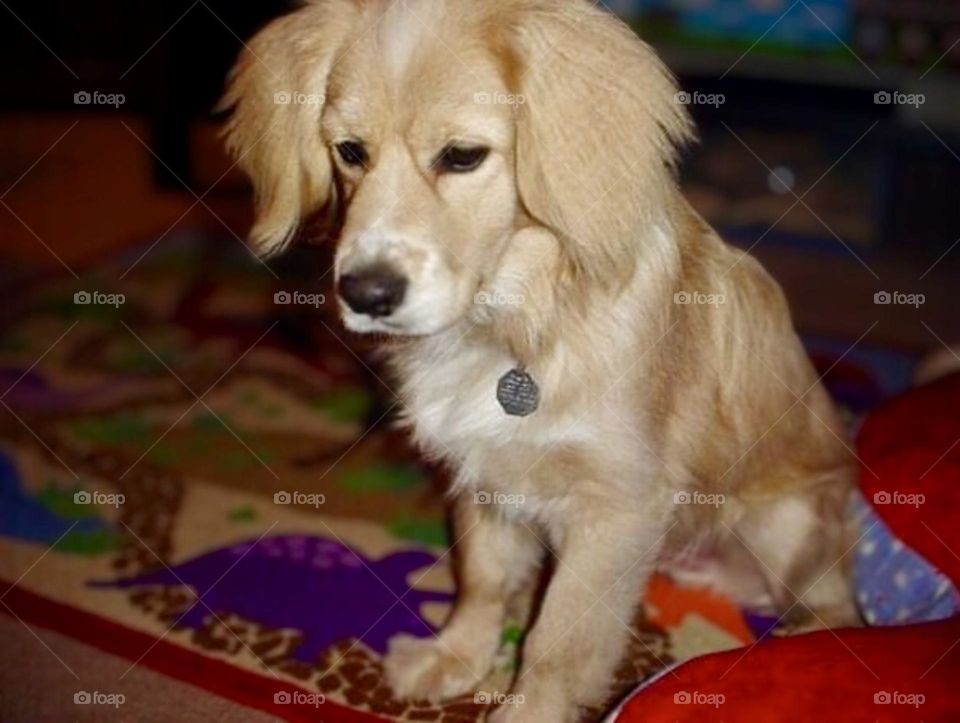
x=598, y=130
x=276, y=91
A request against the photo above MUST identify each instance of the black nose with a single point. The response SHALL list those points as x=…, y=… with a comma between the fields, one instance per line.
x=375, y=290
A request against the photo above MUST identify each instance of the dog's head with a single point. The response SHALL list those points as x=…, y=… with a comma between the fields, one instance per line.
x=439, y=128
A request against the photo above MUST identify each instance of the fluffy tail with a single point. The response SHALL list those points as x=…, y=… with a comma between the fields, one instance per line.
x=937, y=364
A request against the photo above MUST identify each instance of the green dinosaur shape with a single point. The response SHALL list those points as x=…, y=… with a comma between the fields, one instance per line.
x=381, y=478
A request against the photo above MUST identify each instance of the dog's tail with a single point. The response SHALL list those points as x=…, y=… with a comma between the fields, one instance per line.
x=939, y=363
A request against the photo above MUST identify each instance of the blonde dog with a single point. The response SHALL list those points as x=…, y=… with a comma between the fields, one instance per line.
x=610, y=382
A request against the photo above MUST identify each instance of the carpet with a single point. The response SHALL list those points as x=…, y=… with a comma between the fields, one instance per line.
x=199, y=479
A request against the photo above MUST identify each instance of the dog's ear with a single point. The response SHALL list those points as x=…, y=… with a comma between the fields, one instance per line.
x=598, y=131
x=276, y=92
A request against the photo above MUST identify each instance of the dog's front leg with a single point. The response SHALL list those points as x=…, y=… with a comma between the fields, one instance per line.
x=604, y=558
x=497, y=559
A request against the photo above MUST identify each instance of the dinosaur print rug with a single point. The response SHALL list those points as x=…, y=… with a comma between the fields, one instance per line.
x=199, y=475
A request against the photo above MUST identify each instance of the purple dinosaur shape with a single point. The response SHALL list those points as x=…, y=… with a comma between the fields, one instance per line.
x=323, y=589
x=31, y=390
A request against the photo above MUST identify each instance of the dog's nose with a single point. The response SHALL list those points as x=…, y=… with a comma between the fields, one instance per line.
x=375, y=290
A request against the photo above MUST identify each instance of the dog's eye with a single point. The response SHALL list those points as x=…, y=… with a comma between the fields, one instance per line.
x=458, y=159
x=352, y=152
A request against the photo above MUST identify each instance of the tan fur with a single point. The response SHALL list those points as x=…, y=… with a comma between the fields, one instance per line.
x=576, y=211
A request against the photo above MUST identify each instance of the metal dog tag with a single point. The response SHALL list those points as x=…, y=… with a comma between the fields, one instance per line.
x=517, y=393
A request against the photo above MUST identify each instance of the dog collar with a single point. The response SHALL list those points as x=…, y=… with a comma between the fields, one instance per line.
x=517, y=393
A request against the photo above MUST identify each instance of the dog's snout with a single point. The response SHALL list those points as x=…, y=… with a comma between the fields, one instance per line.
x=375, y=290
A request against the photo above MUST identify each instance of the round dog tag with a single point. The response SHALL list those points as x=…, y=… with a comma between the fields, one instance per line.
x=517, y=393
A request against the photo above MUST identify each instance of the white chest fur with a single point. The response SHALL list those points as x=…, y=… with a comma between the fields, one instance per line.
x=450, y=398
x=450, y=395
x=589, y=398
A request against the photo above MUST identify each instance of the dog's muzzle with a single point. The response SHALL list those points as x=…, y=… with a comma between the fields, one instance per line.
x=376, y=290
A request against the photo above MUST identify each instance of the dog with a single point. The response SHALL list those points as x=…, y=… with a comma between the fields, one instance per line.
x=609, y=382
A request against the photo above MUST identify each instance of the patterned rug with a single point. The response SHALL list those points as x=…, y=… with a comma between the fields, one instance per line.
x=198, y=474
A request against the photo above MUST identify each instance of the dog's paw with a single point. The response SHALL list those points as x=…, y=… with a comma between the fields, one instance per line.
x=426, y=669
x=539, y=698
x=523, y=713
x=500, y=715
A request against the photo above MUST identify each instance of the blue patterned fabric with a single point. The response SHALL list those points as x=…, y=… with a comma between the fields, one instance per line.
x=894, y=584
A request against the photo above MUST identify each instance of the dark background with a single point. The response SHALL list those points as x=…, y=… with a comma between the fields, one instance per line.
x=80, y=181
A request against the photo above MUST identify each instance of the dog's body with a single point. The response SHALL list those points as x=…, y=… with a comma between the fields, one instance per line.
x=679, y=420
